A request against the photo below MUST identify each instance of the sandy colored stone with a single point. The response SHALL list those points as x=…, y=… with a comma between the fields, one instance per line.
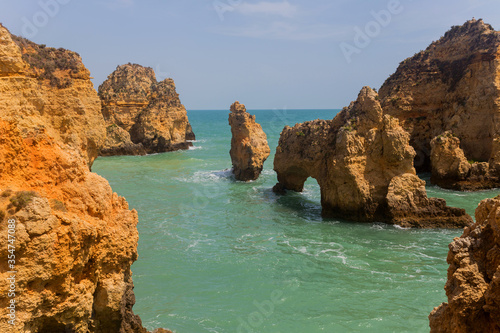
x=452, y=170
x=356, y=159
x=249, y=147
x=11, y=62
x=118, y=142
x=71, y=115
x=448, y=160
x=409, y=205
x=75, y=238
x=473, y=286
x=453, y=85
x=494, y=162
x=142, y=115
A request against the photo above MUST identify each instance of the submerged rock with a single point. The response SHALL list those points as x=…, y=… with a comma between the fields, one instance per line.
x=75, y=239
x=142, y=115
x=249, y=147
x=363, y=163
x=473, y=286
x=451, y=86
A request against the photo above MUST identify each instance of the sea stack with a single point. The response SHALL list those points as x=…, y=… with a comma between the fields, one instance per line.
x=249, y=147
x=75, y=239
x=451, y=88
x=142, y=115
x=363, y=162
x=473, y=286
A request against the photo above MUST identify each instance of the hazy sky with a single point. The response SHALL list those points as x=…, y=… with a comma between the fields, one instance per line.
x=266, y=54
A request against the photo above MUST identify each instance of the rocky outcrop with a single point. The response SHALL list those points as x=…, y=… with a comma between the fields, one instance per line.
x=142, y=115
x=363, y=163
x=448, y=160
x=450, y=86
x=249, y=148
x=50, y=89
x=473, y=286
x=451, y=169
x=75, y=239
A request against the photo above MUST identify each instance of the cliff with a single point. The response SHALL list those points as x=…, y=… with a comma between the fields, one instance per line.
x=363, y=163
x=75, y=239
x=249, y=147
x=142, y=115
x=452, y=86
x=50, y=89
x=473, y=286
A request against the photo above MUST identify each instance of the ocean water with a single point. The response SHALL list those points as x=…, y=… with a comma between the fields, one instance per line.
x=217, y=255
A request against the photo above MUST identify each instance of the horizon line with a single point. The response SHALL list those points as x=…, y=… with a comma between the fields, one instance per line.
x=270, y=109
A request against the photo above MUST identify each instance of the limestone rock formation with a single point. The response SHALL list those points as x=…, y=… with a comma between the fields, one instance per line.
x=363, y=163
x=50, y=89
x=473, y=286
x=450, y=86
x=494, y=162
x=448, y=160
x=408, y=204
x=451, y=169
x=142, y=115
x=75, y=239
x=249, y=147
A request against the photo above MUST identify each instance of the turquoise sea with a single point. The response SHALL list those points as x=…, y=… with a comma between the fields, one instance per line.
x=217, y=255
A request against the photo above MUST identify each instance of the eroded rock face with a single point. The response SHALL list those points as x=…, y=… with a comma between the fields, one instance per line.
x=249, y=147
x=142, y=115
x=473, y=286
x=450, y=86
x=451, y=169
x=448, y=160
x=75, y=238
x=363, y=163
x=408, y=204
x=50, y=89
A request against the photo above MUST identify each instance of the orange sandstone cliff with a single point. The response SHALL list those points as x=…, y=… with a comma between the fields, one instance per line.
x=75, y=239
x=453, y=87
x=50, y=89
x=473, y=286
x=249, y=147
x=363, y=163
x=142, y=115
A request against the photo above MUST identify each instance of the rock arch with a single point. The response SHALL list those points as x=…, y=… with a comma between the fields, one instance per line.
x=363, y=163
